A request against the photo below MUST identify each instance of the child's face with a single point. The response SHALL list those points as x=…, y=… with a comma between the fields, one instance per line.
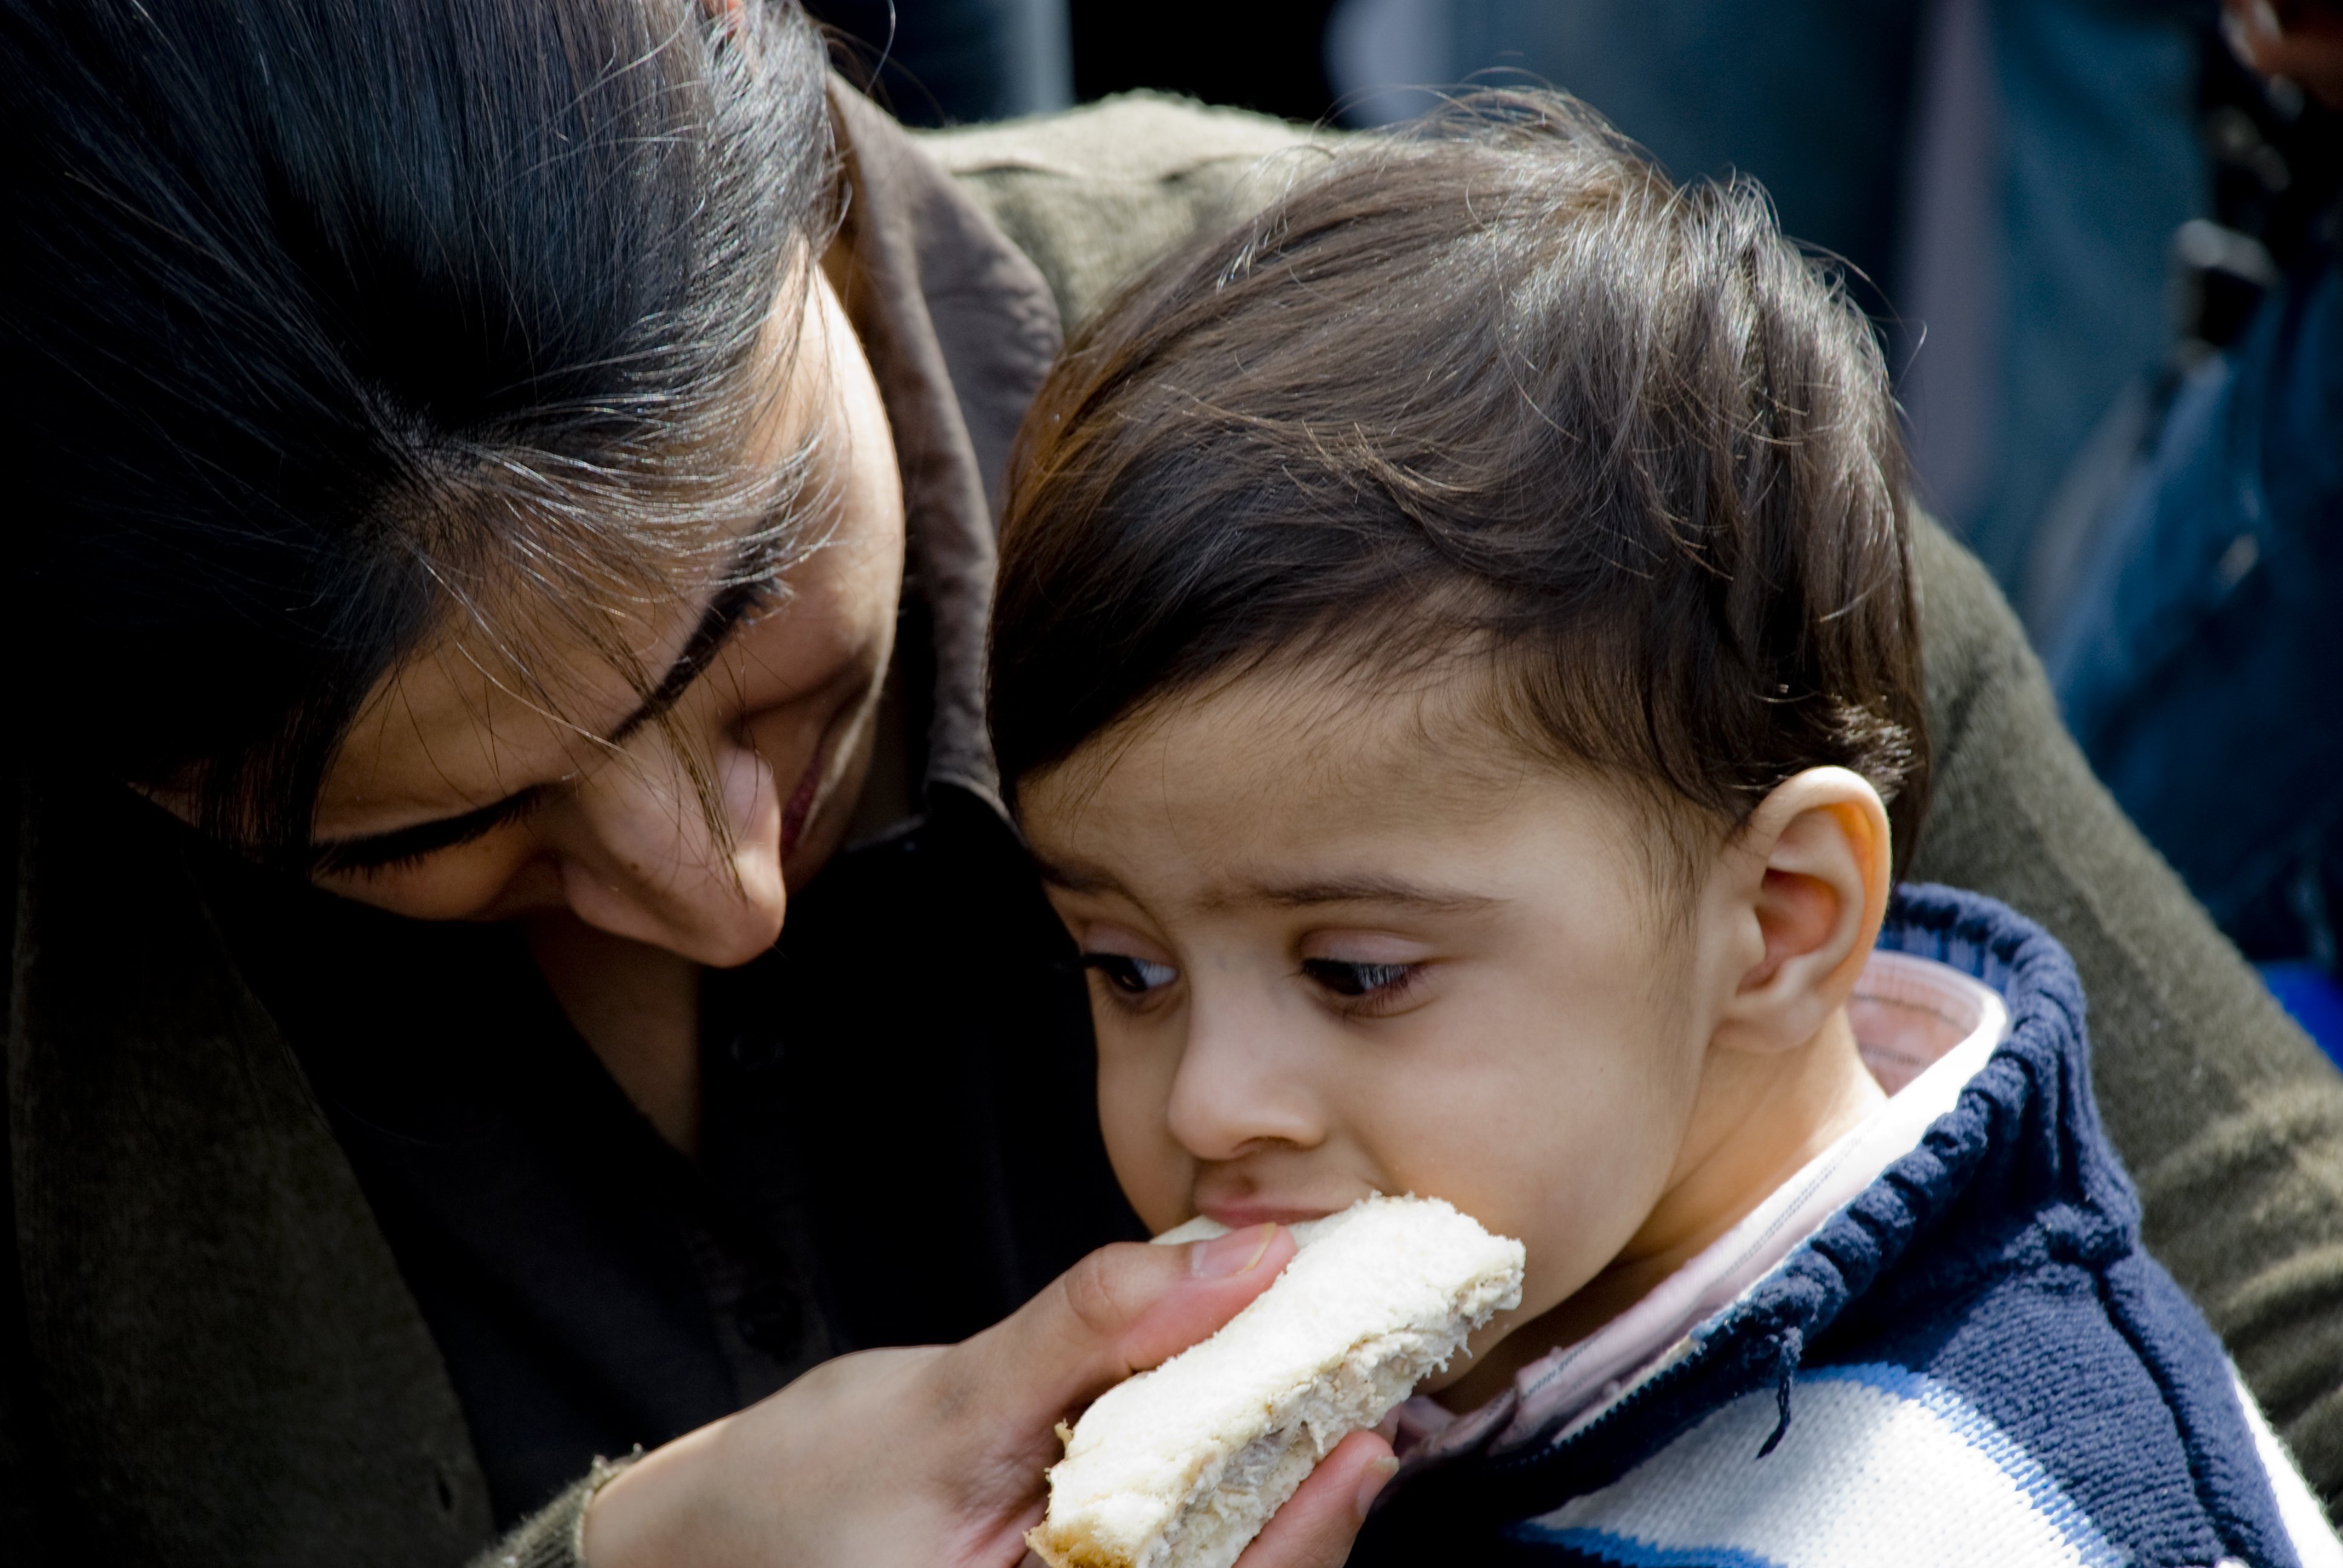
x=1345, y=946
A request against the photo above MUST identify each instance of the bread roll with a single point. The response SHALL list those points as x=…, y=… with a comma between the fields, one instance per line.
x=1180, y=1466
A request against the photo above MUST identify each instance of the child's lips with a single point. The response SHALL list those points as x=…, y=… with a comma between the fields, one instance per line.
x=1240, y=1216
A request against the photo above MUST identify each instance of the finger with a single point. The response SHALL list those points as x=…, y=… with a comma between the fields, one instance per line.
x=1318, y=1523
x=1119, y=1311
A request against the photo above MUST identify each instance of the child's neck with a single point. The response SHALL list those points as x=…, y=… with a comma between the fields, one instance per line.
x=1757, y=1121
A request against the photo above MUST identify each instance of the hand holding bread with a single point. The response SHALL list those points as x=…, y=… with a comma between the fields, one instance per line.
x=932, y=1457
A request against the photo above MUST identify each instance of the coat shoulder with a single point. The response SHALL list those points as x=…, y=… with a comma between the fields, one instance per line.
x=1094, y=194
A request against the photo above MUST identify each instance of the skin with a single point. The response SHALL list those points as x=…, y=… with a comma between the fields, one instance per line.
x=615, y=875
x=2301, y=40
x=1345, y=942
x=929, y=1456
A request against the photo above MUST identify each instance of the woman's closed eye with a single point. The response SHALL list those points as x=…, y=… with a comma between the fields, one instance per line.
x=1133, y=977
x=1354, y=981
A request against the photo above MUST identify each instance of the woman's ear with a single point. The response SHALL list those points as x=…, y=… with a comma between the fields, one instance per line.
x=1819, y=865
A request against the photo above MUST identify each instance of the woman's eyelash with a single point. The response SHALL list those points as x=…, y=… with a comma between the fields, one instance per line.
x=1360, y=981
x=410, y=846
x=1132, y=977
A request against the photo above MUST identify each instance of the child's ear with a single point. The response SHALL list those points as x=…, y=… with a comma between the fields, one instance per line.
x=1818, y=870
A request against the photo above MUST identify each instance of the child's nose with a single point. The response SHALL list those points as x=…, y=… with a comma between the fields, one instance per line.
x=1241, y=1087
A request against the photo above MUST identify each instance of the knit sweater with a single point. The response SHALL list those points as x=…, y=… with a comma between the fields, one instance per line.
x=1972, y=1362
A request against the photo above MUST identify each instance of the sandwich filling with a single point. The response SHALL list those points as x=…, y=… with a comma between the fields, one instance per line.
x=1180, y=1466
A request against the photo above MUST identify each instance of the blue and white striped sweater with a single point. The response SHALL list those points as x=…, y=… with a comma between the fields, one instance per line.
x=1972, y=1365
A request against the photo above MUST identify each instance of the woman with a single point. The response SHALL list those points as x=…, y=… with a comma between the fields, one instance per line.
x=501, y=502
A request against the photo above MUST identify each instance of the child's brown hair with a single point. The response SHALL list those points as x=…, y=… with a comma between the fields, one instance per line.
x=1493, y=386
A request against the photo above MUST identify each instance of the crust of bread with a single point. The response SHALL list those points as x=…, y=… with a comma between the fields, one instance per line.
x=1071, y=1546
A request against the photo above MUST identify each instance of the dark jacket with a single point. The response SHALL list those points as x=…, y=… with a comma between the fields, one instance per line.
x=2197, y=665
x=207, y=1355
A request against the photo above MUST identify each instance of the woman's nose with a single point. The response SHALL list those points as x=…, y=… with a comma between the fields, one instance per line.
x=645, y=857
x=1242, y=1086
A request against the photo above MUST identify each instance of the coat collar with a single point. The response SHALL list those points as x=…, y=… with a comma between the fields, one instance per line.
x=960, y=329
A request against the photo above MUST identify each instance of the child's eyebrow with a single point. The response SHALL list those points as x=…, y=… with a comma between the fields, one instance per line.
x=1368, y=890
x=1294, y=895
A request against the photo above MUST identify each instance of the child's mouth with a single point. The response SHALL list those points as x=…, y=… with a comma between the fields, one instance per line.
x=1238, y=1216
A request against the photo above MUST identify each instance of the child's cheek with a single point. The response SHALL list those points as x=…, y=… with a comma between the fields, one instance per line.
x=1134, y=1097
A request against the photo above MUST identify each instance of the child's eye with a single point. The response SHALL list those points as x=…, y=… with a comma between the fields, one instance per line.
x=1358, y=981
x=1131, y=976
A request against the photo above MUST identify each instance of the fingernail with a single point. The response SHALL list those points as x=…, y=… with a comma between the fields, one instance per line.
x=1371, y=1481
x=2266, y=20
x=1224, y=1257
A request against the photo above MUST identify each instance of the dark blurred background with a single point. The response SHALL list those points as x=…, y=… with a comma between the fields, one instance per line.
x=2100, y=249
x=2006, y=179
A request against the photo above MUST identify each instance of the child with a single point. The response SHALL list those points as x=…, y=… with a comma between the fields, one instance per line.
x=1455, y=665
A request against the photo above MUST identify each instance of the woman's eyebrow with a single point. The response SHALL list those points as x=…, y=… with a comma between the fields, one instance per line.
x=717, y=624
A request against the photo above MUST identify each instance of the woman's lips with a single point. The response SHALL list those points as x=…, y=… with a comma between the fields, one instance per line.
x=842, y=727
x=801, y=799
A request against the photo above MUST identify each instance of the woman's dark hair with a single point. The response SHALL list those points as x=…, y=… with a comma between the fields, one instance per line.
x=1492, y=388
x=328, y=321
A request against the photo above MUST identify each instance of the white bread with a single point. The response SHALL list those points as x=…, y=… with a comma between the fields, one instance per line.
x=1180, y=1467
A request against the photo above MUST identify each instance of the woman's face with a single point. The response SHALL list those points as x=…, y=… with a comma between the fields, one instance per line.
x=456, y=796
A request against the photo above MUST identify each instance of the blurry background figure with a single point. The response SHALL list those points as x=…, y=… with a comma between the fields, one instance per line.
x=957, y=62
x=2188, y=592
x=2105, y=249
x=1265, y=55
x=2008, y=172
x=954, y=62
x=1813, y=98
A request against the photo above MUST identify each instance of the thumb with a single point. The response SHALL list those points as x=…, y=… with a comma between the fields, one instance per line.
x=1119, y=1311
